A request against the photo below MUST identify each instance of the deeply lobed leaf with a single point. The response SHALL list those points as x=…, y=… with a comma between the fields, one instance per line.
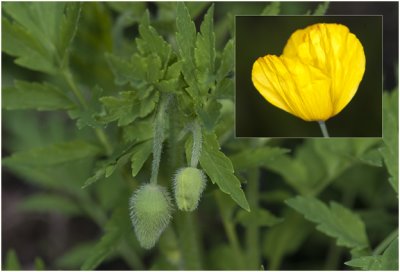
x=335, y=221
x=220, y=170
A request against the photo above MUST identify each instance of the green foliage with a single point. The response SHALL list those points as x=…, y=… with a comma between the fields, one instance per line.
x=258, y=217
x=119, y=83
x=53, y=154
x=389, y=260
x=283, y=239
x=335, y=221
x=76, y=256
x=204, y=52
x=390, y=148
x=12, y=262
x=138, y=154
x=50, y=203
x=256, y=157
x=271, y=9
x=317, y=163
x=128, y=107
x=39, y=264
x=41, y=34
x=27, y=95
x=220, y=170
x=321, y=9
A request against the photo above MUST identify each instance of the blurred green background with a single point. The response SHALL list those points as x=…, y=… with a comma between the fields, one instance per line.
x=258, y=36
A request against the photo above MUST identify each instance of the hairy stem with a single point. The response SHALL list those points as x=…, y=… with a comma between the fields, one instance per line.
x=197, y=142
x=158, y=138
x=323, y=128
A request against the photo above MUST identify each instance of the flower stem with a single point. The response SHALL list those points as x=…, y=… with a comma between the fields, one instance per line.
x=197, y=141
x=158, y=138
x=324, y=130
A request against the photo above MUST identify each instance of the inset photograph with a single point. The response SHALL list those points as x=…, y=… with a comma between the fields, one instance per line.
x=308, y=76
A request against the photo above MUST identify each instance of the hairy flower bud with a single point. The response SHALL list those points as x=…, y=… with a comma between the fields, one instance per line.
x=150, y=210
x=189, y=184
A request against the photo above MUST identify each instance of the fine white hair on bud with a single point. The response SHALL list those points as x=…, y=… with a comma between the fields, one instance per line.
x=189, y=184
x=150, y=211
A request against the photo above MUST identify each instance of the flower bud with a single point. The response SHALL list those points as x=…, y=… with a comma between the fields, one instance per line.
x=150, y=210
x=189, y=184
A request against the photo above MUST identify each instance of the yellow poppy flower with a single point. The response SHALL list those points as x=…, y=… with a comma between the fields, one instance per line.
x=316, y=76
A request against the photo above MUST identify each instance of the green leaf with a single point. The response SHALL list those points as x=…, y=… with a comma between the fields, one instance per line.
x=139, y=71
x=283, y=239
x=210, y=114
x=140, y=154
x=41, y=33
x=205, y=51
x=220, y=170
x=185, y=39
x=272, y=9
x=118, y=227
x=151, y=42
x=102, y=249
x=40, y=19
x=128, y=106
x=256, y=157
x=76, y=256
x=258, y=217
x=39, y=264
x=53, y=154
x=389, y=260
x=227, y=61
x=186, y=34
x=88, y=116
x=106, y=168
x=321, y=9
x=31, y=95
x=66, y=177
x=221, y=258
x=372, y=157
x=50, y=203
x=171, y=80
x=138, y=131
x=390, y=136
x=11, y=261
x=317, y=163
x=196, y=8
x=29, y=53
x=69, y=27
x=225, y=90
x=335, y=221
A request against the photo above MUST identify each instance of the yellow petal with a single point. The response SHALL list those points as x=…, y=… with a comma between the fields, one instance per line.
x=289, y=84
x=336, y=52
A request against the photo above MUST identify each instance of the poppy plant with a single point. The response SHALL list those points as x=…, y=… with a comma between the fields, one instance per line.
x=316, y=76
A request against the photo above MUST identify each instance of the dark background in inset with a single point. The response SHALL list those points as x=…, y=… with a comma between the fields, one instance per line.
x=257, y=36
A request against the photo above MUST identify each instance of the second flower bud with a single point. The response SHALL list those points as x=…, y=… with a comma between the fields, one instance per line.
x=189, y=184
